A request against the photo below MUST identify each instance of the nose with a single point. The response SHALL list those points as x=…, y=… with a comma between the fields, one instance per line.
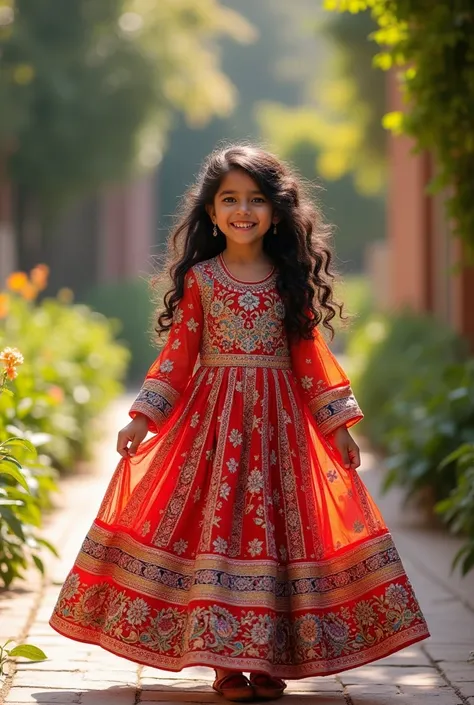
x=243, y=207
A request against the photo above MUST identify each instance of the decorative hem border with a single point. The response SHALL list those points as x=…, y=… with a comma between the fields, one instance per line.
x=201, y=658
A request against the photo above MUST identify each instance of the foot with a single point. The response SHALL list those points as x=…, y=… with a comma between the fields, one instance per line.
x=266, y=687
x=233, y=686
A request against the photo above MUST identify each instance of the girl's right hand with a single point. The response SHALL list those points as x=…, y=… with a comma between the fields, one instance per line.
x=133, y=433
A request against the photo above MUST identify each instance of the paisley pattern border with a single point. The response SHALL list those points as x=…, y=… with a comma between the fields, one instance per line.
x=335, y=407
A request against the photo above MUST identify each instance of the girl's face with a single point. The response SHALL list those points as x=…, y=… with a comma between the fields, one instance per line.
x=240, y=210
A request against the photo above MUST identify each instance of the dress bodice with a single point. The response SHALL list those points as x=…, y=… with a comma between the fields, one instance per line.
x=243, y=321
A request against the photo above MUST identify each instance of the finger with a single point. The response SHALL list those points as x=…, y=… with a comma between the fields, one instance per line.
x=134, y=446
x=344, y=451
x=354, y=455
x=122, y=443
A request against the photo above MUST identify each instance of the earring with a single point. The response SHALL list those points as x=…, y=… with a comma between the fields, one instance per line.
x=275, y=229
x=214, y=230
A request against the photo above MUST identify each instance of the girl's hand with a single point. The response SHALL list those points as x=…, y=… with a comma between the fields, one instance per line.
x=134, y=433
x=347, y=447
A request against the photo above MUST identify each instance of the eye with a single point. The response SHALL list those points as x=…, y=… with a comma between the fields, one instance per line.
x=259, y=199
x=228, y=199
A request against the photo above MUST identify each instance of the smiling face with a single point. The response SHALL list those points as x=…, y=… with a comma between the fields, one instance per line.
x=240, y=210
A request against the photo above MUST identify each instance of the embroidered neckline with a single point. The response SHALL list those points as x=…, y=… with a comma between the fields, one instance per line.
x=224, y=270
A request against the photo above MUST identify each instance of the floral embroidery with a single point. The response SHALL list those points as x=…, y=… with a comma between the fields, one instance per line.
x=235, y=437
x=238, y=543
x=220, y=545
x=249, y=301
x=232, y=465
x=192, y=325
x=224, y=491
x=180, y=546
x=255, y=547
x=137, y=612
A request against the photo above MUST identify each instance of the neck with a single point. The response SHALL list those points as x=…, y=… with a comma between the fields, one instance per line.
x=244, y=254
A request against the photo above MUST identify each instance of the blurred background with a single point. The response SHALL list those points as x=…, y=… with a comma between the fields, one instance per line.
x=108, y=107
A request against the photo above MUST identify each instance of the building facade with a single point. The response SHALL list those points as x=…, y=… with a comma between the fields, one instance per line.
x=424, y=258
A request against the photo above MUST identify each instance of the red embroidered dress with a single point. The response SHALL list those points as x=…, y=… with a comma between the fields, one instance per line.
x=235, y=538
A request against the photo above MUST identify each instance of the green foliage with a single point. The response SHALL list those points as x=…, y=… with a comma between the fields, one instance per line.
x=416, y=385
x=432, y=48
x=341, y=119
x=457, y=510
x=25, y=485
x=90, y=87
x=403, y=353
x=28, y=651
x=72, y=370
x=130, y=303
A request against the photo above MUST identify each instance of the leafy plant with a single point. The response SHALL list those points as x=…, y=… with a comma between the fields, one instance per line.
x=433, y=53
x=73, y=369
x=457, y=510
x=32, y=653
x=20, y=509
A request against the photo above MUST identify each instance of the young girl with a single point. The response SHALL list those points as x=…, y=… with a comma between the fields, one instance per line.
x=240, y=536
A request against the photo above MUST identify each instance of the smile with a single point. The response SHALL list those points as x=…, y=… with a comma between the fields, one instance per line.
x=243, y=225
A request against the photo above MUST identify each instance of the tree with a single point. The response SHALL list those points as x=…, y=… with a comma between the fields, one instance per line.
x=343, y=111
x=88, y=88
x=431, y=47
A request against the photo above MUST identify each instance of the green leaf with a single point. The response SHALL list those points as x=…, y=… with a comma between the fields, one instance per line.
x=7, y=392
x=16, y=474
x=21, y=443
x=13, y=522
x=7, y=458
x=28, y=651
x=39, y=564
x=48, y=545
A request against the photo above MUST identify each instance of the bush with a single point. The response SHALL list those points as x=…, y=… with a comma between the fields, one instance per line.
x=24, y=490
x=415, y=384
x=129, y=302
x=396, y=362
x=73, y=370
x=457, y=510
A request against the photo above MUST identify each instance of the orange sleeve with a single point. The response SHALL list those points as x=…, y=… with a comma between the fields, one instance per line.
x=169, y=375
x=325, y=386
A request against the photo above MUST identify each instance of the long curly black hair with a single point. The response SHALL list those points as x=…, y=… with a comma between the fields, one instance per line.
x=300, y=249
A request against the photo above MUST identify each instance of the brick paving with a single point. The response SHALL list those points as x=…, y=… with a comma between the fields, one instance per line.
x=435, y=672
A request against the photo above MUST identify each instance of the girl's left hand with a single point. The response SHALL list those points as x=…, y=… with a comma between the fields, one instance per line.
x=347, y=447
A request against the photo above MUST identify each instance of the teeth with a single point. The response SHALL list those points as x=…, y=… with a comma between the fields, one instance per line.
x=245, y=226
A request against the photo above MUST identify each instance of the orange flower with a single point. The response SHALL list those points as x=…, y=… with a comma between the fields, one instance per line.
x=39, y=276
x=11, y=358
x=29, y=291
x=17, y=280
x=4, y=301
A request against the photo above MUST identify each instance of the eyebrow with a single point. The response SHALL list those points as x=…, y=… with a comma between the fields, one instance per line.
x=227, y=193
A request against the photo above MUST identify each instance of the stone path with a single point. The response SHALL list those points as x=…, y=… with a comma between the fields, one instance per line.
x=434, y=673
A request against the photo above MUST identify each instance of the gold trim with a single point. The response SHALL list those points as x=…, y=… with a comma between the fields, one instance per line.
x=246, y=360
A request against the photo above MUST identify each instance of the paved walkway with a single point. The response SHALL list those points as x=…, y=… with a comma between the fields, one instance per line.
x=433, y=673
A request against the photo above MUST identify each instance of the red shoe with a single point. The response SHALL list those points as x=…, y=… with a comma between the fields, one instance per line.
x=234, y=687
x=266, y=687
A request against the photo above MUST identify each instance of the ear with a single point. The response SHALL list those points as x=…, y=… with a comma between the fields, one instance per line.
x=276, y=218
x=211, y=212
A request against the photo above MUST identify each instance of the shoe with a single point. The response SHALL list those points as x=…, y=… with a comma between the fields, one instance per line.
x=266, y=687
x=234, y=687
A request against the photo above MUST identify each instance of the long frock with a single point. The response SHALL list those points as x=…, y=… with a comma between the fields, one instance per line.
x=235, y=538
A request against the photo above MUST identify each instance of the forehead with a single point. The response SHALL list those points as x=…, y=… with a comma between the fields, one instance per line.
x=238, y=180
